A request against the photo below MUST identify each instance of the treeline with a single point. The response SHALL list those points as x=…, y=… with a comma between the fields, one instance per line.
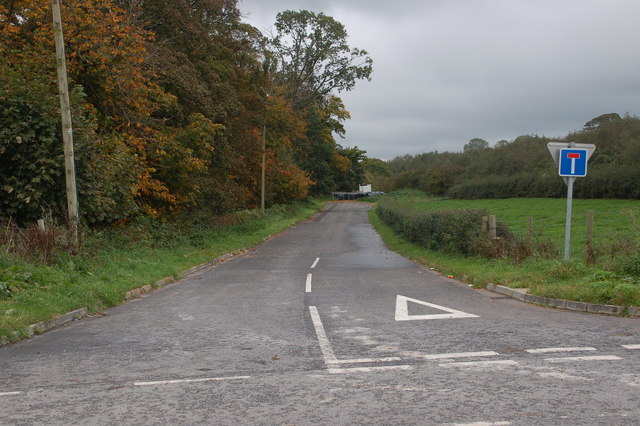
x=172, y=101
x=524, y=168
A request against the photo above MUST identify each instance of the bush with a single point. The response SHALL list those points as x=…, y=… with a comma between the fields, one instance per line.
x=454, y=231
x=458, y=231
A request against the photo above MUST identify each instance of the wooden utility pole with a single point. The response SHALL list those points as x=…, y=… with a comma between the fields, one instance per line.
x=264, y=165
x=67, y=130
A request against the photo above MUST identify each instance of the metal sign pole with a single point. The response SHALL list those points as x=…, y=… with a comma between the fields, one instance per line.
x=567, y=229
x=571, y=159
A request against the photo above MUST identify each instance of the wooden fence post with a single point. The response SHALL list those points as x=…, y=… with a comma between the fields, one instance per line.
x=485, y=223
x=493, y=226
x=529, y=227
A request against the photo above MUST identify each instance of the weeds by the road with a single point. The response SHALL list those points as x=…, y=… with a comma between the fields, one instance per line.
x=41, y=278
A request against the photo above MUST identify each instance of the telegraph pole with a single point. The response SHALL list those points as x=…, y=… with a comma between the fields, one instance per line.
x=264, y=165
x=67, y=130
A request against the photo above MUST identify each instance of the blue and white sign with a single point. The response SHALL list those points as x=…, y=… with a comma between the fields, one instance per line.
x=573, y=162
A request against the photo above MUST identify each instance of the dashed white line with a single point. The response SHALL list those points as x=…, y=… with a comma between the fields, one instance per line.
x=307, y=288
x=551, y=350
x=325, y=345
x=9, y=393
x=179, y=381
x=479, y=363
x=315, y=263
x=368, y=369
x=365, y=360
x=458, y=355
x=631, y=346
x=584, y=358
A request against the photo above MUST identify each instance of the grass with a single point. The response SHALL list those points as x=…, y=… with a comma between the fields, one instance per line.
x=116, y=260
x=610, y=281
x=549, y=215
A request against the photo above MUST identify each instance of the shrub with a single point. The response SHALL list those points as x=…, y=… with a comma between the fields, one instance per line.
x=458, y=231
x=451, y=230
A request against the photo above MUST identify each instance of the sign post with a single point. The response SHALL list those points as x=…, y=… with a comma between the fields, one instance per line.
x=571, y=159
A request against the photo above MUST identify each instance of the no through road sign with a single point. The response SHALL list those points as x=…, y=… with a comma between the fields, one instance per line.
x=573, y=162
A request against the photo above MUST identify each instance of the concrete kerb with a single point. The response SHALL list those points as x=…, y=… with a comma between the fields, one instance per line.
x=44, y=326
x=570, y=305
x=137, y=292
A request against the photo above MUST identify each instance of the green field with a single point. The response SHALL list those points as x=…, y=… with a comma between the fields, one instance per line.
x=612, y=218
x=614, y=279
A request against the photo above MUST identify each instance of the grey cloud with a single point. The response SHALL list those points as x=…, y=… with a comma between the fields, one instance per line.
x=447, y=71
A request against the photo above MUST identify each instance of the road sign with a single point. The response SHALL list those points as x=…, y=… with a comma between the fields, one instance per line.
x=555, y=147
x=571, y=159
x=573, y=162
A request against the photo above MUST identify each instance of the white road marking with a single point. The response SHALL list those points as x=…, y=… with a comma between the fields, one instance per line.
x=325, y=345
x=315, y=263
x=207, y=379
x=458, y=355
x=9, y=393
x=307, y=288
x=631, y=346
x=365, y=360
x=368, y=369
x=584, y=358
x=479, y=363
x=560, y=375
x=402, y=311
x=550, y=350
x=484, y=424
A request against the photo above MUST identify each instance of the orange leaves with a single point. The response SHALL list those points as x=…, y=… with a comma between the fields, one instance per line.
x=341, y=162
x=285, y=127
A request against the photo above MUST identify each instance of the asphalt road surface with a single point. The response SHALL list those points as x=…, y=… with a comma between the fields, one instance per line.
x=324, y=325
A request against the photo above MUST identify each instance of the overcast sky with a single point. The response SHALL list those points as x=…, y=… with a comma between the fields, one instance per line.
x=447, y=71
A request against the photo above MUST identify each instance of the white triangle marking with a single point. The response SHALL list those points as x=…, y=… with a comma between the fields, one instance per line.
x=402, y=311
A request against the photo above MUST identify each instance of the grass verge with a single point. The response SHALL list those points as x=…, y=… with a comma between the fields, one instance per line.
x=116, y=260
x=543, y=277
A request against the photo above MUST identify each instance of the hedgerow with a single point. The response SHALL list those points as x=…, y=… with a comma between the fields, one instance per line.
x=457, y=231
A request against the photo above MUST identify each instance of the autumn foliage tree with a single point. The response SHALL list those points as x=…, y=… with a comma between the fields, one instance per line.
x=171, y=100
x=312, y=61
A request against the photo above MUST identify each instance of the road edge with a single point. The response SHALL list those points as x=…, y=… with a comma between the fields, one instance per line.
x=569, y=305
x=77, y=314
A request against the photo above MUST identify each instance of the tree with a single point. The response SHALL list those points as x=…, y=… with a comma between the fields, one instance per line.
x=107, y=80
x=349, y=173
x=312, y=56
x=476, y=144
x=594, y=123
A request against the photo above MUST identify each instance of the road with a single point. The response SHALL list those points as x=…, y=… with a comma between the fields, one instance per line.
x=324, y=325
